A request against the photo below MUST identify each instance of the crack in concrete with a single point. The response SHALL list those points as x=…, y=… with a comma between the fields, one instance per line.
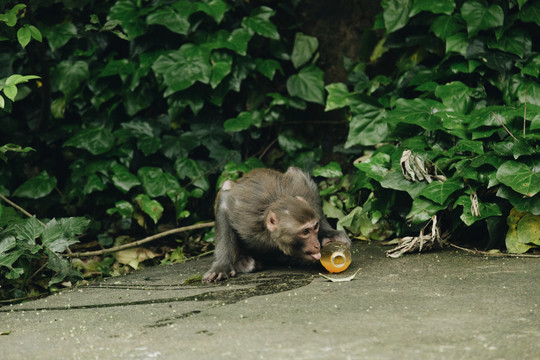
x=261, y=285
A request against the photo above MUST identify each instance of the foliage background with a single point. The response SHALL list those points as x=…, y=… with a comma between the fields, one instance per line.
x=142, y=109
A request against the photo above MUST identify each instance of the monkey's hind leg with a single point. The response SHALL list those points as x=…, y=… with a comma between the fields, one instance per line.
x=226, y=251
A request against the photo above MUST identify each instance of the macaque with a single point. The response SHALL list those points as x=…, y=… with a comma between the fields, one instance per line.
x=268, y=215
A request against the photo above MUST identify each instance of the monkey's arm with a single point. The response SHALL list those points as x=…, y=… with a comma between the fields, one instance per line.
x=227, y=258
x=328, y=234
x=226, y=241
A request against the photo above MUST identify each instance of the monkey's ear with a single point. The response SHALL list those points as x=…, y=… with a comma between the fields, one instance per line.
x=271, y=221
x=227, y=185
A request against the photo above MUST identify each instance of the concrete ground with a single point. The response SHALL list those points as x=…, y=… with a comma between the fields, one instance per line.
x=439, y=305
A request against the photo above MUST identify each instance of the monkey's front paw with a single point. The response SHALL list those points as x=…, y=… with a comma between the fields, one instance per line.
x=339, y=236
x=216, y=274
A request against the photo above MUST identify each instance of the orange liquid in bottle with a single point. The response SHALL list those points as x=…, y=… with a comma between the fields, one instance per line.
x=335, y=257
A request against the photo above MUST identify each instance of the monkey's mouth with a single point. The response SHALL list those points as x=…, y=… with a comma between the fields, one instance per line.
x=314, y=257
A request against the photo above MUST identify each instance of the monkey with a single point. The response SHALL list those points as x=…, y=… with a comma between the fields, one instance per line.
x=265, y=215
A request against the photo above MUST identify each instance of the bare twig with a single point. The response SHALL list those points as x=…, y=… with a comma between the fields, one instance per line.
x=17, y=300
x=37, y=271
x=504, y=126
x=199, y=256
x=265, y=150
x=421, y=242
x=494, y=254
x=525, y=112
x=11, y=203
x=143, y=241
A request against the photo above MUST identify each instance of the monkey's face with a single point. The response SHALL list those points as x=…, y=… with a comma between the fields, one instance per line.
x=294, y=225
x=300, y=240
x=308, y=239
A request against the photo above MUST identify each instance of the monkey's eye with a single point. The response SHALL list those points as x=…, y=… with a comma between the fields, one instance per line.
x=305, y=231
x=316, y=227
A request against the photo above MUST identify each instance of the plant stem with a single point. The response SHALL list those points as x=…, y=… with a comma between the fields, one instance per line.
x=143, y=241
x=11, y=203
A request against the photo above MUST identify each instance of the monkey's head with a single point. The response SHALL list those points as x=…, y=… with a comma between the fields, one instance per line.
x=294, y=225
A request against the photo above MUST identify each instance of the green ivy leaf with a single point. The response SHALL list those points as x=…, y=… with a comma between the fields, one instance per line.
x=531, y=12
x=96, y=140
x=529, y=92
x=243, y=121
x=148, y=144
x=214, y=8
x=8, y=259
x=396, y=14
x=259, y=22
x=486, y=210
x=127, y=13
x=457, y=43
x=308, y=84
x=12, y=147
x=440, y=191
x=445, y=26
x=479, y=16
x=122, y=207
x=519, y=177
x=93, y=183
x=531, y=68
x=238, y=41
x=28, y=230
x=59, y=34
x=59, y=234
x=62, y=268
x=436, y=7
x=121, y=67
x=338, y=96
x=71, y=76
x=156, y=182
x=268, y=67
x=421, y=112
x=515, y=41
x=280, y=100
x=290, y=144
x=192, y=169
x=523, y=232
x=182, y=68
x=376, y=167
x=464, y=145
x=422, y=210
x=367, y=129
x=330, y=170
x=151, y=207
x=221, y=67
x=123, y=179
x=168, y=17
x=36, y=187
x=455, y=95
x=6, y=244
x=523, y=204
x=304, y=48
x=395, y=180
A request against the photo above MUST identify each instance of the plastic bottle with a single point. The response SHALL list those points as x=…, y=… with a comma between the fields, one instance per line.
x=335, y=257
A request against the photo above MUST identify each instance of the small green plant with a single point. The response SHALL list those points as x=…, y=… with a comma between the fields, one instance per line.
x=455, y=116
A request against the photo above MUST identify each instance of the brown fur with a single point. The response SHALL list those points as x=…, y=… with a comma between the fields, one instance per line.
x=268, y=212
